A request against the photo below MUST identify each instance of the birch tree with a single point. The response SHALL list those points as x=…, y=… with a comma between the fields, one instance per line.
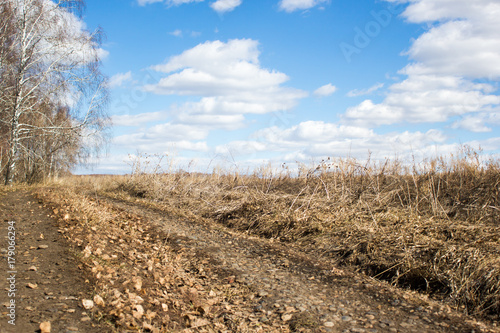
x=53, y=97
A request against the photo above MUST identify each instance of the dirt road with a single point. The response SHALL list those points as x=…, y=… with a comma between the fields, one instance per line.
x=159, y=273
x=47, y=283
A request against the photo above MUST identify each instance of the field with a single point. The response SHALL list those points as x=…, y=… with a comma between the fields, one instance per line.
x=430, y=226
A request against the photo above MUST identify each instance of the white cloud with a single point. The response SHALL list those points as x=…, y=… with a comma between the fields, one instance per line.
x=368, y=91
x=213, y=53
x=168, y=2
x=220, y=6
x=421, y=11
x=381, y=145
x=161, y=138
x=223, y=6
x=461, y=47
x=422, y=98
x=465, y=41
x=162, y=133
x=229, y=81
x=245, y=147
x=318, y=139
x=176, y=33
x=326, y=90
x=163, y=146
x=478, y=122
x=313, y=131
x=180, y=2
x=206, y=114
x=293, y=5
x=137, y=120
x=226, y=83
x=147, y=2
x=457, y=48
x=118, y=79
x=472, y=123
x=371, y=115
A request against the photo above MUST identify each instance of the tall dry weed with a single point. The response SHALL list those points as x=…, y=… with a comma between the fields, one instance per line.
x=431, y=225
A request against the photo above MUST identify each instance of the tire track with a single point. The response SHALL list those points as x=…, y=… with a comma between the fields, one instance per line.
x=306, y=292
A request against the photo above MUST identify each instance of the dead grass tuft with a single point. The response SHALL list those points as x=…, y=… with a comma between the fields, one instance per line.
x=432, y=226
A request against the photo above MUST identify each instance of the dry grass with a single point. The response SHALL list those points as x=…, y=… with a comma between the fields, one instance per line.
x=431, y=226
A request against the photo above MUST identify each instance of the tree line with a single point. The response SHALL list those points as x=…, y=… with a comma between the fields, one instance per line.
x=53, y=95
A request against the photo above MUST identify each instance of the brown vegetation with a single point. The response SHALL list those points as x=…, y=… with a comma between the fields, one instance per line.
x=430, y=226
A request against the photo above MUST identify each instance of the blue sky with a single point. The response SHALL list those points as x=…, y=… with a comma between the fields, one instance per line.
x=244, y=82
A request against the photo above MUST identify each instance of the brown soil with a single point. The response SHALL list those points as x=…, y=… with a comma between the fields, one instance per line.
x=158, y=273
x=50, y=280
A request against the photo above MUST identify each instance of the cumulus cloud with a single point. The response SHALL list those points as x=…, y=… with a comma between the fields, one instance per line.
x=119, y=79
x=229, y=81
x=422, y=98
x=160, y=138
x=318, y=139
x=213, y=53
x=164, y=132
x=457, y=48
x=461, y=47
x=465, y=42
x=472, y=123
x=326, y=90
x=477, y=122
x=224, y=81
x=312, y=131
x=293, y=5
x=223, y=6
x=138, y=119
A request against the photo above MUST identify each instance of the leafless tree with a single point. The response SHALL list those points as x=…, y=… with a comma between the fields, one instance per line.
x=53, y=95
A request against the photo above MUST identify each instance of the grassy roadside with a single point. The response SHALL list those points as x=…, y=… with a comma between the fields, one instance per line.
x=431, y=226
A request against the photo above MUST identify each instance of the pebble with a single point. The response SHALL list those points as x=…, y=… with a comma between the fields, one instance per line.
x=42, y=247
x=45, y=327
x=72, y=329
x=88, y=304
x=346, y=318
x=329, y=324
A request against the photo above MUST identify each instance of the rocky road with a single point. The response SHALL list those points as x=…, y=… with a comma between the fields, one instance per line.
x=290, y=285
x=259, y=285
